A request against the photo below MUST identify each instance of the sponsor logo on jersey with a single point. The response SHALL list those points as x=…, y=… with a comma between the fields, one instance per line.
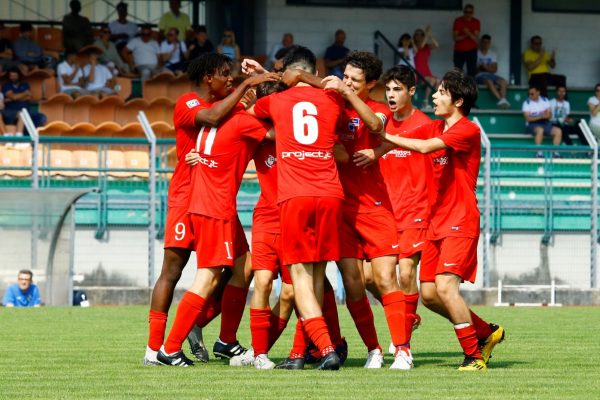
x=455, y=228
x=302, y=155
x=192, y=103
x=441, y=160
x=207, y=162
x=270, y=161
x=398, y=153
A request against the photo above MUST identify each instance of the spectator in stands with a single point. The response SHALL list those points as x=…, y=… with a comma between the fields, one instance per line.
x=69, y=75
x=175, y=19
x=335, y=55
x=405, y=48
x=142, y=53
x=230, y=48
x=465, y=32
x=594, y=106
x=424, y=42
x=110, y=55
x=25, y=293
x=97, y=78
x=6, y=53
x=200, y=44
x=29, y=55
x=538, y=63
x=17, y=95
x=287, y=40
x=537, y=112
x=487, y=66
x=122, y=30
x=173, y=52
x=2, y=126
x=77, y=30
x=561, y=108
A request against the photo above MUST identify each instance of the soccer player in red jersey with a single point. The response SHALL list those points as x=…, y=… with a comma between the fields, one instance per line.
x=450, y=254
x=193, y=110
x=309, y=191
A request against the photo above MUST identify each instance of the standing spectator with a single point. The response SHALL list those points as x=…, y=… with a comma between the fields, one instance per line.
x=122, y=30
x=77, y=30
x=200, y=44
x=142, y=53
x=465, y=33
x=29, y=55
x=173, y=52
x=487, y=66
x=230, y=48
x=97, y=78
x=537, y=112
x=538, y=63
x=405, y=48
x=424, y=42
x=594, y=106
x=17, y=95
x=25, y=293
x=110, y=55
x=70, y=77
x=175, y=19
x=561, y=108
x=335, y=55
x=287, y=41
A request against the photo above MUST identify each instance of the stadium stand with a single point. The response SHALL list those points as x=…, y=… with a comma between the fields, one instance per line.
x=105, y=109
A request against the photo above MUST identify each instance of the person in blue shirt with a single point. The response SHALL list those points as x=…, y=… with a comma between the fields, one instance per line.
x=335, y=55
x=24, y=293
x=17, y=95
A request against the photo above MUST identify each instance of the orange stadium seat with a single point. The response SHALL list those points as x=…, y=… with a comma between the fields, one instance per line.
x=11, y=33
x=178, y=86
x=160, y=109
x=86, y=159
x=132, y=130
x=116, y=159
x=61, y=159
x=36, y=80
x=108, y=129
x=137, y=159
x=125, y=84
x=157, y=86
x=54, y=107
x=55, y=128
x=50, y=38
x=105, y=110
x=79, y=109
x=128, y=112
x=163, y=130
x=11, y=157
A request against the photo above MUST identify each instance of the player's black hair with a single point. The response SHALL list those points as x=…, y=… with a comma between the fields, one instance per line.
x=460, y=86
x=486, y=37
x=207, y=64
x=402, y=74
x=302, y=58
x=269, y=87
x=368, y=62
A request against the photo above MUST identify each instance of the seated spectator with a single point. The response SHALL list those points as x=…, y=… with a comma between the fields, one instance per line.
x=142, y=53
x=335, y=55
x=110, y=55
x=69, y=75
x=230, y=48
x=174, y=18
x=287, y=40
x=17, y=95
x=487, y=65
x=200, y=44
x=405, y=48
x=537, y=112
x=538, y=63
x=594, y=106
x=77, y=30
x=122, y=30
x=173, y=52
x=25, y=293
x=561, y=108
x=29, y=55
x=97, y=78
x=424, y=42
x=6, y=53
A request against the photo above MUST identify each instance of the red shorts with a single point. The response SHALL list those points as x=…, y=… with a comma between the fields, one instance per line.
x=368, y=235
x=456, y=255
x=178, y=230
x=309, y=229
x=266, y=255
x=412, y=241
x=218, y=242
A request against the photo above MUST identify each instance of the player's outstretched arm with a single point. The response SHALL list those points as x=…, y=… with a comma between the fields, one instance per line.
x=366, y=157
x=291, y=77
x=418, y=145
x=214, y=115
x=251, y=67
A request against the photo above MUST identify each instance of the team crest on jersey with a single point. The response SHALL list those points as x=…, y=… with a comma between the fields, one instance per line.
x=192, y=103
x=270, y=161
x=353, y=124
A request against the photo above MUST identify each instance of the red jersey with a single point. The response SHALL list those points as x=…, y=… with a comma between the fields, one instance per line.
x=467, y=43
x=266, y=212
x=186, y=133
x=224, y=155
x=452, y=185
x=305, y=120
x=364, y=188
x=405, y=175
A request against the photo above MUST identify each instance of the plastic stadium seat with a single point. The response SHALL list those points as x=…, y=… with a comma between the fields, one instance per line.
x=160, y=109
x=50, y=38
x=55, y=128
x=11, y=157
x=105, y=110
x=136, y=159
x=179, y=85
x=79, y=109
x=108, y=129
x=86, y=159
x=128, y=112
x=157, y=86
x=36, y=80
x=125, y=84
x=163, y=130
x=132, y=130
x=54, y=107
x=61, y=159
x=83, y=129
x=115, y=159
x=11, y=33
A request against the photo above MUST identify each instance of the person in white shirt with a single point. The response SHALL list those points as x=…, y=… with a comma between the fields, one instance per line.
x=122, y=31
x=69, y=75
x=173, y=52
x=594, y=106
x=142, y=53
x=487, y=66
x=405, y=48
x=97, y=77
x=537, y=112
x=561, y=110
x=286, y=41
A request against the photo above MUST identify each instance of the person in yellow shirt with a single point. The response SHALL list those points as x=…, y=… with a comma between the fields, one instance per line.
x=539, y=63
x=175, y=19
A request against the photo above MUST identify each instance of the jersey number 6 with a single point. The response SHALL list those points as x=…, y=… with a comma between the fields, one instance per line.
x=306, y=128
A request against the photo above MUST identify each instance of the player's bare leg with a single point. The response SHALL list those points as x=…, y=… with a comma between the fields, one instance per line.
x=370, y=280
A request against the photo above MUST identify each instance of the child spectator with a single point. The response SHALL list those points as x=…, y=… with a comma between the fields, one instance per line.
x=424, y=42
x=173, y=52
x=594, y=106
x=405, y=48
x=487, y=65
x=537, y=112
x=68, y=72
x=142, y=53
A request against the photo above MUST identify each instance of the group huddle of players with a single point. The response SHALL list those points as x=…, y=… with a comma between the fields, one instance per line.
x=343, y=178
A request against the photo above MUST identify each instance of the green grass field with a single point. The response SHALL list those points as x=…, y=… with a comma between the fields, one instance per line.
x=78, y=353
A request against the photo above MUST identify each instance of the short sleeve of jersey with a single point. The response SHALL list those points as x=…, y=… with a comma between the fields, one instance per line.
x=250, y=127
x=461, y=136
x=262, y=107
x=185, y=110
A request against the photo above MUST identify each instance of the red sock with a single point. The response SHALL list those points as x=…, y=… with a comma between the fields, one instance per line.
x=300, y=341
x=330, y=313
x=468, y=341
x=412, y=300
x=210, y=312
x=156, y=335
x=316, y=328
x=394, y=308
x=362, y=314
x=276, y=327
x=232, y=309
x=482, y=328
x=259, y=327
x=189, y=308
